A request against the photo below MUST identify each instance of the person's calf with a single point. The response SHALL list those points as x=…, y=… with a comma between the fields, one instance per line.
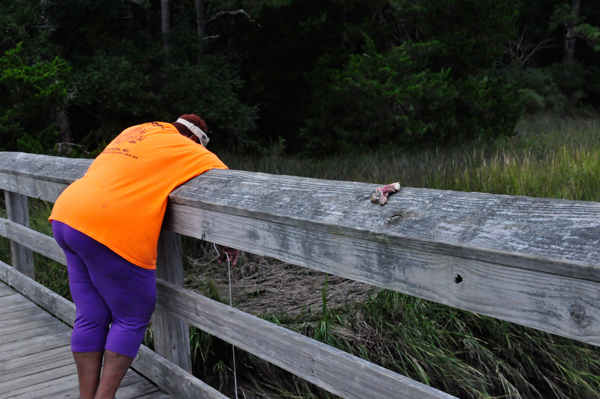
x=115, y=367
x=89, y=365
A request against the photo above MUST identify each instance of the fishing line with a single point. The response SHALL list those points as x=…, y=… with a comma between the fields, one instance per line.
x=230, y=304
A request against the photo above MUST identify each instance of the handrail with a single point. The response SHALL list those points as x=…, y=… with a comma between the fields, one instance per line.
x=527, y=260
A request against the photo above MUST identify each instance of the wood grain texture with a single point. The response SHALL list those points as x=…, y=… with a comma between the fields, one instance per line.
x=32, y=239
x=17, y=210
x=37, y=293
x=550, y=235
x=171, y=334
x=172, y=378
x=338, y=372
x=40, y=365
x=558, y=304
x=65, y=387
x=47, y=375
x=35, y=345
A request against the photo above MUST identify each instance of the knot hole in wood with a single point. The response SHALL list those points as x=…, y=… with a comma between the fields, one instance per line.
x=400, y=216
x=577, y=313
x=458, y=278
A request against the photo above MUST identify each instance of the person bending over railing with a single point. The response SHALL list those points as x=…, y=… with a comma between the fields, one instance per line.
x=108, y=224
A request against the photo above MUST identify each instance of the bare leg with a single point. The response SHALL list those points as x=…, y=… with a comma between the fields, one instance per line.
x=89, y=365
x=115, y=367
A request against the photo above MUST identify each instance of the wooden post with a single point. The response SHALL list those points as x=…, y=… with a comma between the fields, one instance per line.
x=171, y=334
x=18, y=211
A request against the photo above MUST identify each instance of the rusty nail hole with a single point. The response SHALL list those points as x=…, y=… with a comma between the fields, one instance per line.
x=458, y=279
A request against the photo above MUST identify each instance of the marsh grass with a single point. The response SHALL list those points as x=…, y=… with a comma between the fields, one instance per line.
x=462, y=353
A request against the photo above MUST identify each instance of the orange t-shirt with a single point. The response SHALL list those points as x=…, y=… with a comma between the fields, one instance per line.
x=121, y=200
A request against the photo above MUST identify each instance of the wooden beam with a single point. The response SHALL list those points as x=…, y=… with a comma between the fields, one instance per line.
x=549, y=235
x=171, y=333
x=33, y=240
x=338, y=372
x=561, y=305
x=17, y=210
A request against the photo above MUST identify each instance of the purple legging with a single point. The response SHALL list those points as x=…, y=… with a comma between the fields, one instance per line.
x=108, y=291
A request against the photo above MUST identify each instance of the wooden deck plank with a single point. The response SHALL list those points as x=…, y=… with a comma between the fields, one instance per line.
x=5, y=291
x=35, y=356
x=19, y=313
x=35, y=345
x=65, y=387
x=13, y=303
x=27, y=334
x=46, y=389
x=33, y=364
x=48, y=375
x=36, y=320
x=136, y=390
x=55, y=391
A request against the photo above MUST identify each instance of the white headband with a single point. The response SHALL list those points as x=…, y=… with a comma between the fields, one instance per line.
x=196, y=130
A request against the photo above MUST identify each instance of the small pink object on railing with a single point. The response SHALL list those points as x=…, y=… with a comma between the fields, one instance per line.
x=381, y=193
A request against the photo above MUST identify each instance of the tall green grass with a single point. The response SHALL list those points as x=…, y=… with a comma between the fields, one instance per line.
x=549, y=157
x=462, y=353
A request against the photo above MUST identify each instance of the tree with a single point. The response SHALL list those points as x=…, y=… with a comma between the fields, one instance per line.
x=568, y=16
x=165, y=10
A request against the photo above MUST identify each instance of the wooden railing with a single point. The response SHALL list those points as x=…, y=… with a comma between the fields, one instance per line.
x=526, y=260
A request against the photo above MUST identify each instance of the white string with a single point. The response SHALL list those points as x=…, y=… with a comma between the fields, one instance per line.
x=230, y=304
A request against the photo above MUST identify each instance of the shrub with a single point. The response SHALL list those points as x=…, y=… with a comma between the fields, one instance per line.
x=33, y=96
x=394, y=98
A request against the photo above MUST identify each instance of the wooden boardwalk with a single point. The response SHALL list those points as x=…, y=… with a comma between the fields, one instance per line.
x=35, y=355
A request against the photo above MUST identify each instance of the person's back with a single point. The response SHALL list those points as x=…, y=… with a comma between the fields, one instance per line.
x=121, y=200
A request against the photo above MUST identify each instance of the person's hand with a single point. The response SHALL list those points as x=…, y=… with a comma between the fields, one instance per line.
x=231, y=252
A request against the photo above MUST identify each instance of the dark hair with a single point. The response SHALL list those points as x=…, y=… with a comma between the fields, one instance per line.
x=195, y=119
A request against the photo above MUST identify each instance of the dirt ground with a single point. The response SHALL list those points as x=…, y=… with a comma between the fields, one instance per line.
x=265, y=286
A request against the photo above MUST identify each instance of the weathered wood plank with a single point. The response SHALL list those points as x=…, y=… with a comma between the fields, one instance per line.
x=156, y=395
x=52, y=302
x=549, y=302
x=338, y=372
x=64, y=387
x=35, y=345
x=6, y=290
x=47, y=375
x=32, y=239
x=136, y=390
x=172, y=378
x=27, y=313
x=38, y=321
x=33, y=359
x=551, y=235
x=556, y=236
x=10, y=306
x=31, y=310
x=17, y=210
x=32, y=187
x=60, y=358
x=171, y=334
x=72, y=391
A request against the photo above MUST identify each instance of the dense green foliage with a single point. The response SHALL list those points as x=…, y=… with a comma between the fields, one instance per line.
x=315, y=75
x=396, y=98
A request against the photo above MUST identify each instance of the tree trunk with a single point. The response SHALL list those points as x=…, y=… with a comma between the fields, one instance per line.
x=201, y=18
x=166, y=22
x=570, y=37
